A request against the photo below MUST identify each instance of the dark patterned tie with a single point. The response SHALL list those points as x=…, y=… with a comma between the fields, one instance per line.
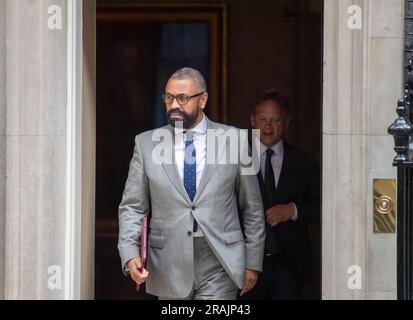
x=271, y=242
x=190, y=169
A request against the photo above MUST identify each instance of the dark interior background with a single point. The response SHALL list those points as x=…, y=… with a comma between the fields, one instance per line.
x=271, y=44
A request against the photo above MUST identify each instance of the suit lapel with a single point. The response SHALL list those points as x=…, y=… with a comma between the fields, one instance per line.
x=172, y=173
x=263, y=192
x=282, y=180
x=172, y=170
x=210, y=168
x=284, y=174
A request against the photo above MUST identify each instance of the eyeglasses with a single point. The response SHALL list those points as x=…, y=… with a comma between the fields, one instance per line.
x=182, y=99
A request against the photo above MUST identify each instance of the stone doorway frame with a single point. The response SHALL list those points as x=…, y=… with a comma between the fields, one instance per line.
x=356, y=149
x=81, y=146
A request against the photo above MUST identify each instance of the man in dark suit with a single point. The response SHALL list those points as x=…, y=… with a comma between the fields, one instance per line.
x=290, y=188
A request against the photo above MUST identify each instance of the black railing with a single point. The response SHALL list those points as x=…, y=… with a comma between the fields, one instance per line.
x=402, y=131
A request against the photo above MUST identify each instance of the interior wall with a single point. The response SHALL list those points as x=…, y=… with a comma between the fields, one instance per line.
x=261, y=50
x=308, y=79
x=277, y=44
x=274, y=44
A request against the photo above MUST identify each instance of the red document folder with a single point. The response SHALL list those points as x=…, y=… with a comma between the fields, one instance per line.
x=143, y=245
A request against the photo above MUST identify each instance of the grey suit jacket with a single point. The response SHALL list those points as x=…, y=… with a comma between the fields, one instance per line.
x=154, y=186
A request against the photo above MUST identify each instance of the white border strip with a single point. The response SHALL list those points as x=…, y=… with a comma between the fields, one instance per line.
x=72, y=270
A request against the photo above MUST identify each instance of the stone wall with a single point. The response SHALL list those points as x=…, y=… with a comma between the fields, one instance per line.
x=2, y=142
x=408, y=17
x=35, y=149
x=362, y=82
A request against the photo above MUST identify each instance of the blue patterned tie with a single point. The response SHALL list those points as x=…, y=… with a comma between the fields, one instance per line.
x=190, y=169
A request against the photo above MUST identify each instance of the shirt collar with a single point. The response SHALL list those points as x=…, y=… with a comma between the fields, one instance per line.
x=278, y=148
x=199, y=129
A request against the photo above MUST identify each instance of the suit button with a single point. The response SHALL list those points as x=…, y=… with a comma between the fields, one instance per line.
x=193, y=208
x=189, y=233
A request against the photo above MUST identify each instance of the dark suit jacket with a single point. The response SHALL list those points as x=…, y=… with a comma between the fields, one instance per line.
x=299, y=182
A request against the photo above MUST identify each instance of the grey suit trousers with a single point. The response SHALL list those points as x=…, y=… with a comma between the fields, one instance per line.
x=211, y=281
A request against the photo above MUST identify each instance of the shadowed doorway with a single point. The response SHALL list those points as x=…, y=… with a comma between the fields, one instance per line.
x=240, y=46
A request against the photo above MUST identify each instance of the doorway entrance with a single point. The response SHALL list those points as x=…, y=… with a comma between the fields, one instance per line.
x=241, y=47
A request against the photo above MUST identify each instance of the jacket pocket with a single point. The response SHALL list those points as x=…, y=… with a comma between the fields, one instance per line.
x=233, y=236
x=156, y=224
x=156, y=241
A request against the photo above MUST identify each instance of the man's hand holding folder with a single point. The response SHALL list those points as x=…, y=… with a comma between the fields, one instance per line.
x=137, y=265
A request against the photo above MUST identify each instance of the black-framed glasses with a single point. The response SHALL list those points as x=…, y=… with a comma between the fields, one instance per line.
x=182, y=99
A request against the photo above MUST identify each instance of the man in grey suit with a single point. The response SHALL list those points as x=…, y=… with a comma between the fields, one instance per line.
x=198, y=248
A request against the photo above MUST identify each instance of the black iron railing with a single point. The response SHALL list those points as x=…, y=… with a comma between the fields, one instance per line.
x=402, y=131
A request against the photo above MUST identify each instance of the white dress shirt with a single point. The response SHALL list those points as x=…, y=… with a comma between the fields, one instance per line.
x=200, y=144
x=276, y=162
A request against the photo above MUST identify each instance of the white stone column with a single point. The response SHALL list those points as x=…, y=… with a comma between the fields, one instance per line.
x=2, y=142
x=87, y=282
x=386, y=87
x=362, y=81
x=36, y=142
x=36, y=150
x=47, y=142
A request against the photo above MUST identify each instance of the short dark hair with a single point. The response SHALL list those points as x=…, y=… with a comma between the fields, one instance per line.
x=193, y=74
x=273, y=95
